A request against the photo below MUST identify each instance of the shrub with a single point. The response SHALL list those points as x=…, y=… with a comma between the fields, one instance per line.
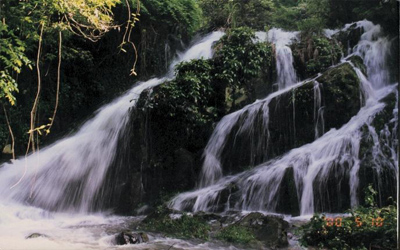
x=365, y=227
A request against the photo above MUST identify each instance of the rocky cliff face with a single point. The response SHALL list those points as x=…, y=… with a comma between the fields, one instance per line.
x=167, y=136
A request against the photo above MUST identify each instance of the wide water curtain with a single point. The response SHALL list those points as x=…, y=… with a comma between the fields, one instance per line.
x=69, y=173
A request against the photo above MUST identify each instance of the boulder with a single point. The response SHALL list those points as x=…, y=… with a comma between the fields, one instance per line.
x=349, y=37
x=36, y=235
x=271, y=230
x=313, y=55
x=125, y=238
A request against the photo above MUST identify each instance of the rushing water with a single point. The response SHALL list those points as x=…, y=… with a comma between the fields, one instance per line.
x=52, y=192
x=65, y=176
x=334, y=153
x=286, y=74
x=246, y=117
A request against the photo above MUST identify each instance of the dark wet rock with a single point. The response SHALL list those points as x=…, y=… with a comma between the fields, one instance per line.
x=341, y=95
x=144, y=210
x=36, y=235
x=315, y=54
x=288, y=201
x=208, y=216
x=350, y=37
x=292, y=119
x=380, y=169
x=125, y=238
x=358, y=62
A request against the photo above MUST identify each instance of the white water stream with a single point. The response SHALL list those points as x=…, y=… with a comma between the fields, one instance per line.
x=286, y=79
x=286, y=74
x=65, y=177
x=56, y=192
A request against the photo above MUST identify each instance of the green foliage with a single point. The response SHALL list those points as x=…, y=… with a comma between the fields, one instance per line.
x=236, y=13
x=193, y=98
x=188, y=94
x=239, y=59
x=384, y=12
x=315, y=17
x=365, y=227
x=236, y=234
x=12, y=59
x=326, y=53
x=182, y=16
x=186, y=226
x=288, y=17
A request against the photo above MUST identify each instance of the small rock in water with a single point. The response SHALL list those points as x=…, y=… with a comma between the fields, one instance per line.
x=125, y=238
x=36, y=235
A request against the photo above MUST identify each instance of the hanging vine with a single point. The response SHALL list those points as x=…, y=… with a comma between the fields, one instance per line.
x=88, y=19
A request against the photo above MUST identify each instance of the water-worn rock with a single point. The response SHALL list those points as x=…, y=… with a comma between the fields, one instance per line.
x=125, y=238
x=349, y=37
x=271, y=230
x=292, y=119
x=315, y=54
x=36, y=235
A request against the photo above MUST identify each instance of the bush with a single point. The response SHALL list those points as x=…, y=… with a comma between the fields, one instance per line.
x=239, y=60
x=365, y=227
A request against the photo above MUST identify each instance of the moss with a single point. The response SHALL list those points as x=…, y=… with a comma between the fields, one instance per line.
x=378, y=169
x=382, y=118
x=186, y=226
x=341, y=91
x=358, y=62
x=315, y=54
x=236, y=234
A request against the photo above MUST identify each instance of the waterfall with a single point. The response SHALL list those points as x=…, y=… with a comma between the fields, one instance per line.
x=318, y=111
x=286, y=78
x=67, y=174
x=286, y=74
x=335, y=154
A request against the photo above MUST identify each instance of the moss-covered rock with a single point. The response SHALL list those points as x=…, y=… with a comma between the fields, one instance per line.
x=288, y=200
x=270, y=230
x=358, y=62
x=180, y=225
x=349, y=37
x=294, y=119
x=314, y=54
x=341, y=92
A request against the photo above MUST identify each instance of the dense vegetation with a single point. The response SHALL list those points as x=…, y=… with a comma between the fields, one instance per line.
x=367, y=226
x=87, y=72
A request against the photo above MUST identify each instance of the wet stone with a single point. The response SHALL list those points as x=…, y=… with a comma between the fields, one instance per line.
x=36, y=235
x=125, y=238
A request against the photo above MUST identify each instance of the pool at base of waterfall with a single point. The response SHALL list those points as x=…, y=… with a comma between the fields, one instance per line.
x=26, y=227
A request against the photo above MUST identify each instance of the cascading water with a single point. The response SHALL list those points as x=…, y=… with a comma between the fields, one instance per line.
x=335, y=154
x=286, y=74
x=286, y=78
x=318, y=111
x=65, y=176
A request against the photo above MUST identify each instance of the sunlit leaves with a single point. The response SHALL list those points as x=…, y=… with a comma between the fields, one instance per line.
x=12, y=59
